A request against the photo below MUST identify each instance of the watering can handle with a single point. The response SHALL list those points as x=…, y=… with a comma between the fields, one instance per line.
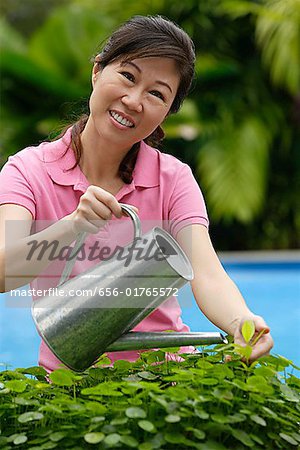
x=81, y=238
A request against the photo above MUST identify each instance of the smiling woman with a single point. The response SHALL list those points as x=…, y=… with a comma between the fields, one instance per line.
x=77, y=183
x=129, y=101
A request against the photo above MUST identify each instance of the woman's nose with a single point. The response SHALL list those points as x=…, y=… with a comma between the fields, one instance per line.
x=133, y=100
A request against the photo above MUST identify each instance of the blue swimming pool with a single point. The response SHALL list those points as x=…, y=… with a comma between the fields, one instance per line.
x=271, y=288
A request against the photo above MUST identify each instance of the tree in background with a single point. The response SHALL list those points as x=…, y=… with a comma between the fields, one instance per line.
x=239, y=129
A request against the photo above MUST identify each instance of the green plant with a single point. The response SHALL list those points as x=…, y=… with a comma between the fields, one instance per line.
x=152, y=403
x=250, y=337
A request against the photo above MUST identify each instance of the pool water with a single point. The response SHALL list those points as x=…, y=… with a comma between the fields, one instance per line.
x=271, y=289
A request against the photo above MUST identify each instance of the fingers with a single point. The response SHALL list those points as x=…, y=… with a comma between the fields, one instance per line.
x=95, y=207
x=261, y=341
x=132, y=207
x=102, y=202
x=262, y=347
x=260, y=324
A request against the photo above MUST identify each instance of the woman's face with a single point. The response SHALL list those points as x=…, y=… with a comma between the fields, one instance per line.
x=130, y=99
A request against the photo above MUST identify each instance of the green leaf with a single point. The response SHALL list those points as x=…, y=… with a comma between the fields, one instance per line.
x=239, y=152
x=3, y=441
x=170, y=349
x=112, y=439
x=94, y=438
x=201, y=414
x=211, y=445
x=20, y=439
x=155, y=357
x=25, y=401
x=147, y=375
x=172, y=418
x=146, y=425
x=42, y=386
x=257, y=439
x=205, y=365
x=289, y=394
x=209, y=381
x=118, y=421
x=62, y=377
x=245, y=351
x=30, y=416
x=269, y=412
x=296, y=436
x=49, y=445
x=248, y=330
x=220, y=418
x=146, y=446
x=130, y=441
x=257, y=383
x=135, y=413
x=109, y=389
x=121, y=364
x=16, y=385
x=103, y=361
x=280, y=23
x=174, y=438
x=237, y=417
x=199, y=434
x=243, y=437
x=259, y=420
x=288, y=438
x=266, y=372
x=98, y=419
x=37, y=371
x=58, y=436
x=96, y=408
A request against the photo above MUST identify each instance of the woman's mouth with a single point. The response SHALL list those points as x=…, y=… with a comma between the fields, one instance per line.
x=118, y=117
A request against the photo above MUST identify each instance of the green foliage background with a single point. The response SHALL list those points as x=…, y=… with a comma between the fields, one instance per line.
x=239, y=128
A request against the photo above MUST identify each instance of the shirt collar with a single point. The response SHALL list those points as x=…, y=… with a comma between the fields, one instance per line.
x=60, y=160
x=145, y=173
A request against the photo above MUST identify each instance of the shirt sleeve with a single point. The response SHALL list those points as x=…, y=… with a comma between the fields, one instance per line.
x=187, y=205
x=15, y=187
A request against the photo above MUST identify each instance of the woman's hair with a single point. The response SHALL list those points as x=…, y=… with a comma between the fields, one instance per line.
x=144, y=37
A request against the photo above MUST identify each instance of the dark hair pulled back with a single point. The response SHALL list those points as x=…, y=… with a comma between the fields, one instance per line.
x=144, y=37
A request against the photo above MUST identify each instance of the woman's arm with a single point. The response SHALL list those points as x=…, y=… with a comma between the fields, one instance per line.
x=216, y=294
x=15, y=268
x=95, y=207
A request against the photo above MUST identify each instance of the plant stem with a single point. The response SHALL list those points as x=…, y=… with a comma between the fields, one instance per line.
x=258, y=337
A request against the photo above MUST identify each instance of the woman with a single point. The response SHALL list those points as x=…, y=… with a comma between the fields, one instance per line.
x=77, y=182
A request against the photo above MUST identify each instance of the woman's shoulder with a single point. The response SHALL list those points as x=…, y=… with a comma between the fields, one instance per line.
x=163, y=161
x=37, y=155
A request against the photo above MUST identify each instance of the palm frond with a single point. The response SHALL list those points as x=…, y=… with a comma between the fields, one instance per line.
x=232, y=169
x=278, y=35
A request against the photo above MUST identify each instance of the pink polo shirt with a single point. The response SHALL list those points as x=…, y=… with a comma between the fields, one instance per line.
x=163, y=189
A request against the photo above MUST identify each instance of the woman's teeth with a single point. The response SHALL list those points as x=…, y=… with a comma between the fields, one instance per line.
x=121, y=119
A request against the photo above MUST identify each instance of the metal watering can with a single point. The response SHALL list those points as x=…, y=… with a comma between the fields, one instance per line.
x=79, y=329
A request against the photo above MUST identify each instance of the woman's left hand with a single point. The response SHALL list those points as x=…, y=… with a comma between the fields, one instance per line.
x=264, y=344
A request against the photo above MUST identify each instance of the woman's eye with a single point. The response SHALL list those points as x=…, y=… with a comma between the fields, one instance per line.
x=128, y=75
x=157, y=94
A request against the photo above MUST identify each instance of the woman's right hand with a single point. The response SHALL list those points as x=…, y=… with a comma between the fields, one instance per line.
x=95, y=207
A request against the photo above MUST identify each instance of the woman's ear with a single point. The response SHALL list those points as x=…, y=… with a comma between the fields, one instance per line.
x=96, y=69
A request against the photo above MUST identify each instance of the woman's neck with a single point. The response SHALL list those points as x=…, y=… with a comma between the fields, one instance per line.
x=100, y=160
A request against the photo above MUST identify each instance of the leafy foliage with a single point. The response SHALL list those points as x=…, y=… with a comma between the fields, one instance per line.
x=152, y=403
